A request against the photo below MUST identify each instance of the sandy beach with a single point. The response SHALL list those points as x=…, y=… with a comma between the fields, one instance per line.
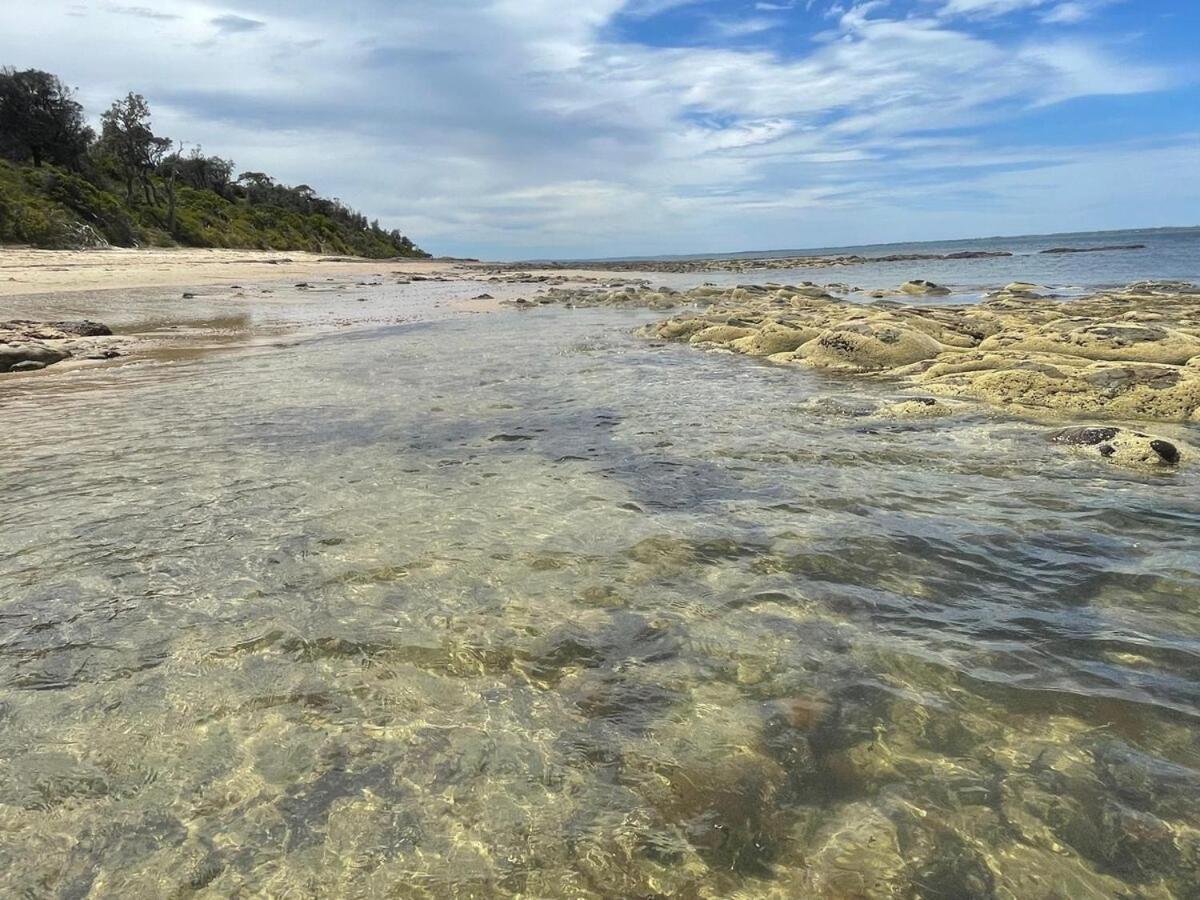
x=29, y=271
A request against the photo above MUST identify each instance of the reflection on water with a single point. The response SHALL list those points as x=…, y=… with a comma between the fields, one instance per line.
x=519, y=605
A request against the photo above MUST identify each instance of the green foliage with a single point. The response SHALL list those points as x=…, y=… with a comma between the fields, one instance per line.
x=56, y=209
x=40, y=120
x=124, y=189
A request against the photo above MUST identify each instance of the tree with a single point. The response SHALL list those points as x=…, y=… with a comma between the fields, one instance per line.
x=259, y=186
x=127, y=136
x=40, y=120
x=204, y=173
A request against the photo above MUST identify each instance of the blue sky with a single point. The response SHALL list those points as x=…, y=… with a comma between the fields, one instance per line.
x=531, y=128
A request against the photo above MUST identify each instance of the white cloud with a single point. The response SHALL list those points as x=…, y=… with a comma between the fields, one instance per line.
x=1066, y=12
x=509, y=127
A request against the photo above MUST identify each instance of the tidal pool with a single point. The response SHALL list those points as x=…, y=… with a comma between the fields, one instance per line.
x=522, y=605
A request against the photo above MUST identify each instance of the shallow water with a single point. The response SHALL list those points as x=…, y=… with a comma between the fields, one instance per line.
x=522, y=605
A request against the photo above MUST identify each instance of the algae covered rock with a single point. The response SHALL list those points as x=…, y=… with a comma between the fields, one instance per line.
x=720, y=334
x=773, y=338
x=1111, y=341
x=914, y=408
x=1130, y=354
x=922, y=288
x=1120, y=446
x=869, y=347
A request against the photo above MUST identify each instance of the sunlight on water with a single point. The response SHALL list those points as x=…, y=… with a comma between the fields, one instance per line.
x=522, y=605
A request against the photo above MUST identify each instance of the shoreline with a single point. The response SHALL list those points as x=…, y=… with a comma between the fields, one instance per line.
x=172, y=304
x=26, y=271
x=1129, y=355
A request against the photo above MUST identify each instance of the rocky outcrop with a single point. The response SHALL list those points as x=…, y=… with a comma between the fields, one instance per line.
x=1125, y=355
x=759, y=264
x=27, y=346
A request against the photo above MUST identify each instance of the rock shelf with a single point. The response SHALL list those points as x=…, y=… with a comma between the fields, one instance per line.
x=1129, y=354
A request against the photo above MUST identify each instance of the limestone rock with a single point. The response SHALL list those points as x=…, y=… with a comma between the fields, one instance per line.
x=922, y=288
x=720, y=334
x=1120, y=446
x=868, y=347
x=774, y=337
x=1112, y=341
x=18, y=355
x=914, y=408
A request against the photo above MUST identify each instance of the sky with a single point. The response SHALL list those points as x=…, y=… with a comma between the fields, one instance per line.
x=523, y=129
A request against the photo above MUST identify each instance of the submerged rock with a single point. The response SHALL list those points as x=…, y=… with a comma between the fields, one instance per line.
x=922, y=288
x=1123, y=447
x=914, y=408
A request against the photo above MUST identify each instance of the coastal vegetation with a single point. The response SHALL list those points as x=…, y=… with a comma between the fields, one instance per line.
x=65, y=186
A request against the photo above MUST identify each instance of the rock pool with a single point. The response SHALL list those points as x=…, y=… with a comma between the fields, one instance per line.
x=524, y=605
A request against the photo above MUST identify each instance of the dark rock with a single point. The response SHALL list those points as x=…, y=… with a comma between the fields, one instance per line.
x=1168, y=451
x=29, y=365
x=83, y=328
x=1062, y=250
x=1085, y=437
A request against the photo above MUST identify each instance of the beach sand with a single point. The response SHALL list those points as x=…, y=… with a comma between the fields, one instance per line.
x=27, y=271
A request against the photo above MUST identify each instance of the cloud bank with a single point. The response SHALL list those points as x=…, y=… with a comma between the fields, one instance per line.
x=529, y=128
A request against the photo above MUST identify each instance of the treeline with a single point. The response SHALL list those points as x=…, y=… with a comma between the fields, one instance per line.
x=62, y=185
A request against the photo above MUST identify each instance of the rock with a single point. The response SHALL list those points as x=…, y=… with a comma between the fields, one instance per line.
x=857, y=855
x=922, y=288
x=1112, y=341
x=1122, y=447
x=1064, y=250
x=1021, y=287
x=83, y=328
x=868, y=346
x=914, y=408
x=1068, y=384
x=16, y=355
x=679, y=329
x=720, y=334
x=773, y=338
x=1129, y=354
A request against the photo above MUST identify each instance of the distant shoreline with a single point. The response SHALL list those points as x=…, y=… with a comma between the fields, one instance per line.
x=836, y=250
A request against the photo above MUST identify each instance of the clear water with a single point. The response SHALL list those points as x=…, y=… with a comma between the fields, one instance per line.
x=522, y=605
